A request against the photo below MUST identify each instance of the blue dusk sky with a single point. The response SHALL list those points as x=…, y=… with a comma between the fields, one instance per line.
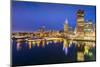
x=29, y=16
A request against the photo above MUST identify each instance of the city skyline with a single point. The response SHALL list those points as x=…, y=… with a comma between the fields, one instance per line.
x=48, y=33
x=30, y=19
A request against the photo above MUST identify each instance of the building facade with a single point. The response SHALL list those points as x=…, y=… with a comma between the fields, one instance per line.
x=80, y=23
x=66, y=28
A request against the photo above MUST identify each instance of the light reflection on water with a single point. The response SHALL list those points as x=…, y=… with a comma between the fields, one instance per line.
x=82, y=49
x=65, y=50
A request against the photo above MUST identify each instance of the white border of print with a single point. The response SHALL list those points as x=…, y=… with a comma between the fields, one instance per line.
x=5, y=33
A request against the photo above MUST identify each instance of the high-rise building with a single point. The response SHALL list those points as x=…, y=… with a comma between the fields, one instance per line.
x=70, y=30
x=88, y=26
x=66, y=27
x=42, y=29
x=94, y=27
x=94, y=30
x=89, y=29
x=80, y=22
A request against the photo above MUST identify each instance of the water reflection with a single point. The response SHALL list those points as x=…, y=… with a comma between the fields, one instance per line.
x=83, y=50
x=65, y=46
x=18, y=44
x=30, y=44
x=65, y=50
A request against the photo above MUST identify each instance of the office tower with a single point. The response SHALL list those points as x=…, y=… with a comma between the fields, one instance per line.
x=66, y=26
x=80, y=23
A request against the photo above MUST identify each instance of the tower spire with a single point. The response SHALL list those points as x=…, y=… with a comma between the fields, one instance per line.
x=66, y=21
